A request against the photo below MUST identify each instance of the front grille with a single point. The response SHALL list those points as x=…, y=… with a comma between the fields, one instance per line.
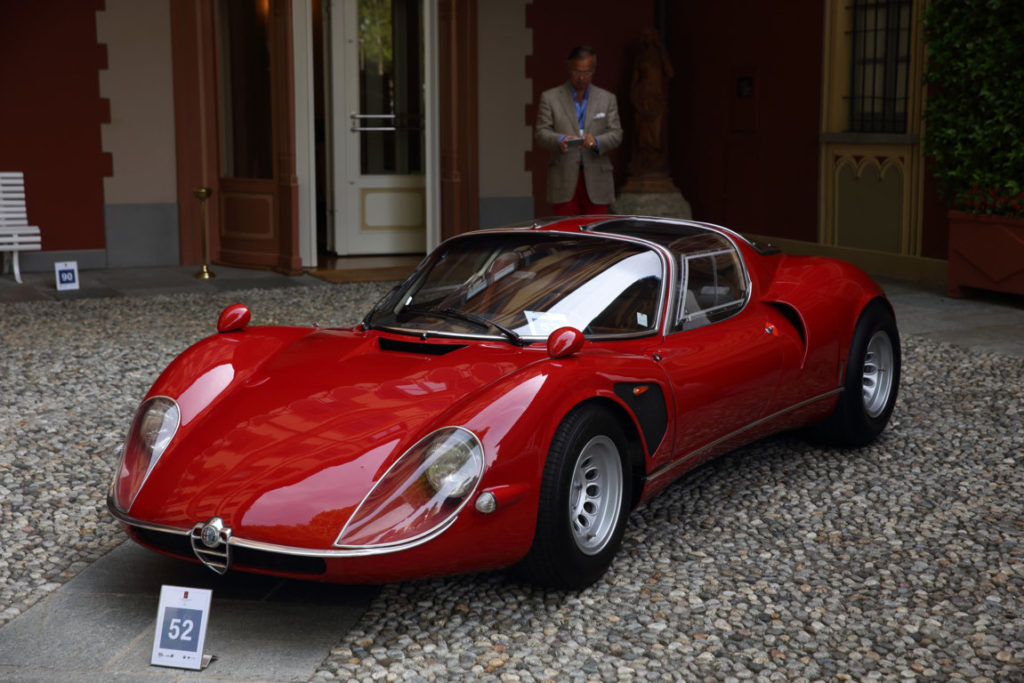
x=241, y=558
x=175, y=544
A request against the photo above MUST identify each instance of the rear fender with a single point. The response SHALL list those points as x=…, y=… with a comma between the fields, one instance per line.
x=825, y=296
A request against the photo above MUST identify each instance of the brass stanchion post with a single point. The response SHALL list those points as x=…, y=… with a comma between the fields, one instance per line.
x=202, y=194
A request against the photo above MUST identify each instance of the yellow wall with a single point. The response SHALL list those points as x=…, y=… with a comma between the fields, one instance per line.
x=504, y=92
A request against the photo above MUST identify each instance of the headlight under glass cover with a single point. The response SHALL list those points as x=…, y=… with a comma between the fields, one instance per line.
x=420, y=494
x=154, y=426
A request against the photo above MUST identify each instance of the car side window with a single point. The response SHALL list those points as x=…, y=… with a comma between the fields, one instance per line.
x=713, y=288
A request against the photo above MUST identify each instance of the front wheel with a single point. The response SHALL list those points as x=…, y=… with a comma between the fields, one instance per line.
x=871, y=382
x=584, y=502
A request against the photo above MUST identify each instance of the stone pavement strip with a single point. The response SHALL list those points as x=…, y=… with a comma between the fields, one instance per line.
x=100, y=625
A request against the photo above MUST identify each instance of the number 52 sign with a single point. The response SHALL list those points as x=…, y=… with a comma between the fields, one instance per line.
x=181, y=627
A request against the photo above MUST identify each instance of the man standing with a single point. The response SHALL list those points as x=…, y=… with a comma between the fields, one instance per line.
x=579, y=124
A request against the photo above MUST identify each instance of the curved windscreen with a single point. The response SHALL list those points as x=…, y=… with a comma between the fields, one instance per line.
x=525, y=285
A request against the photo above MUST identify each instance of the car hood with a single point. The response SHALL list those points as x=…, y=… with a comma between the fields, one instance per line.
x=283, y=450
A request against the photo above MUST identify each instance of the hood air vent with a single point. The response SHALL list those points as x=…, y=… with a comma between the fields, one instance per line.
x=417, y=347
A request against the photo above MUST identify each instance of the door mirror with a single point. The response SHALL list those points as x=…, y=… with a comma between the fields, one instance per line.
x=564, y=342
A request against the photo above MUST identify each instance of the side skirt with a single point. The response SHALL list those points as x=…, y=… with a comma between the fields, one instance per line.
x=658, y=476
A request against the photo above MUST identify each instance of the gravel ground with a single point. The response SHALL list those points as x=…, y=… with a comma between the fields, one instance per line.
x=782, y=561
x=71, y=376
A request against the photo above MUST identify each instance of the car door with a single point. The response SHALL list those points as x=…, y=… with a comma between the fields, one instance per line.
x=723, y=356
x=722, y=378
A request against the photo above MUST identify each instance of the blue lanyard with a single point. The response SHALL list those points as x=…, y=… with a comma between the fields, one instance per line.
x=581, y=107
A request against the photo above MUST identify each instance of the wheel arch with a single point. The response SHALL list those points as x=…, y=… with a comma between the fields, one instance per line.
x=869, y=302
x=634, y=441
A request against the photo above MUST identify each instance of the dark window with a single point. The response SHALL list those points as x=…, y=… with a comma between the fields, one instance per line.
x=880, y=65
x=391, y=86
x=714, y=288
x=244, y=52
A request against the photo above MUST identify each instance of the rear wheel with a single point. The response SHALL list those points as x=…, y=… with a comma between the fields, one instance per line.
x=583, y=502
x=871, y=382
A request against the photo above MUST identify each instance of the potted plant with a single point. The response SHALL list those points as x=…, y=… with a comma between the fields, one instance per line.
x=975, y=137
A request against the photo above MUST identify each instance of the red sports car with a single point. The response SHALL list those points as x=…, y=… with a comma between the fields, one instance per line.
x=508, y=404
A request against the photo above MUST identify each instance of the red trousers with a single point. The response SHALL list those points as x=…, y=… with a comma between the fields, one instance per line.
x=580, y=204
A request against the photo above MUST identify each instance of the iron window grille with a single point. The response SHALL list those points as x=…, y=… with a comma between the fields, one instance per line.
x=880, y=65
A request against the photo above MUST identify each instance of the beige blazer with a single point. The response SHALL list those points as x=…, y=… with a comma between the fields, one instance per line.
x=556, y=116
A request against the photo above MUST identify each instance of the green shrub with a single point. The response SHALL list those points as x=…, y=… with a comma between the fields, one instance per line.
x=975, y=107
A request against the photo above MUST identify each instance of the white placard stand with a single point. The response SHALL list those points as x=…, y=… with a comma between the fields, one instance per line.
x=181, y=628
x=66, y=274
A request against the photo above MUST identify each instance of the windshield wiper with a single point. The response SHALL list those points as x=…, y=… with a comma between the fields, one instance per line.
x=474, y=318
x=365, y=323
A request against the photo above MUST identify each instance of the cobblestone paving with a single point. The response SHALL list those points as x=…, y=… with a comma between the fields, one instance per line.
x=782, y=561
x=71, y=376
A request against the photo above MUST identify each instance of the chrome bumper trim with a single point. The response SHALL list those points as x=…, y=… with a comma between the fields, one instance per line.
x=273, y=547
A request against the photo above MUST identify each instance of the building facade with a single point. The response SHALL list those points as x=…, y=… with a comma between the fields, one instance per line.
x=384, y=126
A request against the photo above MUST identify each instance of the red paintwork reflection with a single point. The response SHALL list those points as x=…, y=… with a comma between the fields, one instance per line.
x=278, y=430
x=233, y=318
x=565, y=341
x=284, y=431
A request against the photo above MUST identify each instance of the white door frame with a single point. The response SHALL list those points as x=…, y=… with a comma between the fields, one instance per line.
x=344, y=162
x=432, y=124
x=305, y=144
x=305, y=124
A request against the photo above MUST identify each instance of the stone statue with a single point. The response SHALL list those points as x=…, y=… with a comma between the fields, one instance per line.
x=649, y=190
x=649, y=95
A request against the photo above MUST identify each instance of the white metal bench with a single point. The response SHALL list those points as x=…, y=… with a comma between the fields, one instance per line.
x=16, y=235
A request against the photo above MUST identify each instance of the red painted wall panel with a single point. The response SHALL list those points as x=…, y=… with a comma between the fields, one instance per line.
x=748, y=162
x=613, y=30
x=51, y=114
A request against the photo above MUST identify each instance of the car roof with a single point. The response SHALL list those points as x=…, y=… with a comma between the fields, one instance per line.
x=676, y=234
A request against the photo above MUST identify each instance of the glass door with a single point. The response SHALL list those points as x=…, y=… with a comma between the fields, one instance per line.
x=378, y=76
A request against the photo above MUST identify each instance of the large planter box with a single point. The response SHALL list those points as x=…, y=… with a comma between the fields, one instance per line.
x=985, y=252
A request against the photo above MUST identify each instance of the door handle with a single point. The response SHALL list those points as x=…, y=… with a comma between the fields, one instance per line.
x=357, y=119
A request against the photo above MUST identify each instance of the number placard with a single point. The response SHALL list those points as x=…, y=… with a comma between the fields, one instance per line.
x=66, y=274
x=181, y=627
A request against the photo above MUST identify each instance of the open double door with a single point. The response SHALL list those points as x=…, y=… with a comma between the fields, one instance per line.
x=239, y=137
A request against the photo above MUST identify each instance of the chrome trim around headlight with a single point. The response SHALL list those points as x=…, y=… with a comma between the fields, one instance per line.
x=155, y=453
x=433, y=532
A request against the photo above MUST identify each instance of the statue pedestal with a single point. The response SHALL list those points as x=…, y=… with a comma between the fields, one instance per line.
x=651, y=194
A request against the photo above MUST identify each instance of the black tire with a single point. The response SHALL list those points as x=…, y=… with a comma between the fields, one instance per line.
x=584, y=502
x=871, y=382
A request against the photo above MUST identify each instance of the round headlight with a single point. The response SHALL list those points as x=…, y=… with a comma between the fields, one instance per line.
x=158, y=424
x=455, y=465
x=420, y=495
x=154, y=426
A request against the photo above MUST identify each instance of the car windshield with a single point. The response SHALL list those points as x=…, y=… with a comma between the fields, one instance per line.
x=524, y=285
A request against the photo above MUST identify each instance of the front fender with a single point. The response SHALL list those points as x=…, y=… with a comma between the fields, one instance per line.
x=516, y=418
x=209, y=367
